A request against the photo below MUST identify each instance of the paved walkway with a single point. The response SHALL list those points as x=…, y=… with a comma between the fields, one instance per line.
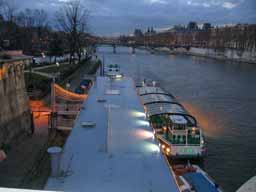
x=23, y=155
x=50, y=76
x=48, y=66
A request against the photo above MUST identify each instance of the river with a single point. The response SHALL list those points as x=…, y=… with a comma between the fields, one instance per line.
x=221, y=95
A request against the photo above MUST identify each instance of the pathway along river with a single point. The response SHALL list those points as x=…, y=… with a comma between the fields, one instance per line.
x=222, y=96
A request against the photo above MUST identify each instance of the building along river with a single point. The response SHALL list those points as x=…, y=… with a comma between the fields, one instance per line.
x=221, y=95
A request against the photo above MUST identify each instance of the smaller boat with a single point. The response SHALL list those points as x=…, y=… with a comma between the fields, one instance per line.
x=191, y=178
x=113, y=71
x=88, y=124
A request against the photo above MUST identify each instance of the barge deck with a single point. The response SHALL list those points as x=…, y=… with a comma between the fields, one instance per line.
x=117, y=153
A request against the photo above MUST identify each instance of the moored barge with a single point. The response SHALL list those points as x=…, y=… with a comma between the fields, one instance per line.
x=177, y=131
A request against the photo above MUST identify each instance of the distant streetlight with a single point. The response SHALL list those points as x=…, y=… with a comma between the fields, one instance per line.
x=68, y=85
x=43, y=55
x=57, y=74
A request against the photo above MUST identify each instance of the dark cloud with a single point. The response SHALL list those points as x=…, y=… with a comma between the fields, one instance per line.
x=122, y=16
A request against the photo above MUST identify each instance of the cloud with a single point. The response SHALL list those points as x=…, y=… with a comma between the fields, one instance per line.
x=215, y=3
x=122, y=16
x=229, y=5
x=164, y=2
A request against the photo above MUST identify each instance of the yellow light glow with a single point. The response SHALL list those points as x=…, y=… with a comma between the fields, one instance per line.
x=138, y=114
x=207, y=120
x=143, y=123
x=163, y=146
x=151, y=147
x=168, y=150
x=3, y=72
x=143, y=134
x=119, y=76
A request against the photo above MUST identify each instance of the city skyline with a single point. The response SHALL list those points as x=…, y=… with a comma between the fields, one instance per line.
x=124, y=16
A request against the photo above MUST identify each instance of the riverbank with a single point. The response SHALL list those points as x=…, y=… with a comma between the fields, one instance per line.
x=221, y=55
x=28, y=164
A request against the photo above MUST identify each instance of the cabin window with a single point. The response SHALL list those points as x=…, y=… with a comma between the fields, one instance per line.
x=194, y=137
x=179, y=126
x=178, y=139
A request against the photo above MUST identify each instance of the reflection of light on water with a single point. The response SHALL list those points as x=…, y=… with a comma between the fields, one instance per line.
x=206, y=120
x=143, y=134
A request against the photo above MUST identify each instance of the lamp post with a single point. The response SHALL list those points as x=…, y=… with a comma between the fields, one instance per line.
x=53, y=103
x=53, y=100
x=31, y=68
x=72, y=59
x=103, y=65
x=58, y=70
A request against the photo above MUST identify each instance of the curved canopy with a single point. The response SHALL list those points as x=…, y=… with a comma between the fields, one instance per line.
x=150, y=90
x=158, y=102
x=164, y=108
x=67, y=95
x=169, y=109
x=157, y=98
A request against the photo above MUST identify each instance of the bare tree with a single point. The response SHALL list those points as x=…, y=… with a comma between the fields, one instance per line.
x=2, y=4
x=40, y=17
x=8, y=9
x=26, y=18
x=72, y=18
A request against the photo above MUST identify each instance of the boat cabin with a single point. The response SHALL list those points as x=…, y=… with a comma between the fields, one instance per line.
x=179, y=132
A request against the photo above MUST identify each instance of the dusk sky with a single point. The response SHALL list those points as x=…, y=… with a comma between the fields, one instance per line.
x=112, y=17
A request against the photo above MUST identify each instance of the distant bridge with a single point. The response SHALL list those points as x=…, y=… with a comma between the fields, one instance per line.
x=134, y=44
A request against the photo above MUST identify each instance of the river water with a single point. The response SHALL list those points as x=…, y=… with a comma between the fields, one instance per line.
x=221, y=95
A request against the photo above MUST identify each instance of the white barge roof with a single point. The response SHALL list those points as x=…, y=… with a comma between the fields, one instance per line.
x=119, y=153
x=162, y=108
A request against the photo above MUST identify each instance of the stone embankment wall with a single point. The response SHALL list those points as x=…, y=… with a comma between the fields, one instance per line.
x=220, y=54
x=229, y=54
x=15, y=116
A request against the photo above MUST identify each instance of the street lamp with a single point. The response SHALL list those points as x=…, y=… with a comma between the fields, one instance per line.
x=53, y=100
x=43, y=55
x=58, y=70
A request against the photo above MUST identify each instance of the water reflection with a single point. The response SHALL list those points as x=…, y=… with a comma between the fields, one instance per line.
x=208, y=121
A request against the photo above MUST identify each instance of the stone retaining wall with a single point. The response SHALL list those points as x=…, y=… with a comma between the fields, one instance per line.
x=221, y=54
x=14, y=109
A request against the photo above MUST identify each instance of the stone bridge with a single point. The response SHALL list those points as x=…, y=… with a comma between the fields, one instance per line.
x=134, y=44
